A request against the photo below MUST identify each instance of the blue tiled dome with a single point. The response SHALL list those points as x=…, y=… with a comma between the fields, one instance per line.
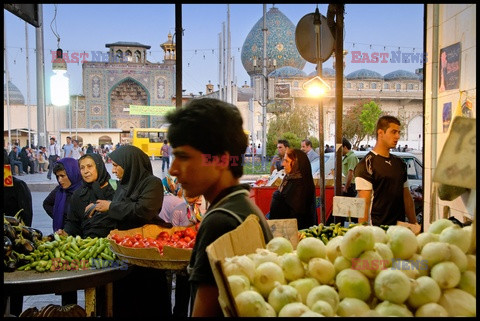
x=286, y=72
x=15, y=95
x=401, y=75
x=280, y=43
x=364, y=74
x=326, y=73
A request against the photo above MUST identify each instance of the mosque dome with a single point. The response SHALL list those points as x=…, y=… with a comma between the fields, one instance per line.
x=280, y=44
x=326, y=73
x=15, y=95
x=286, y=72
x=401, y=75
x=364, y=74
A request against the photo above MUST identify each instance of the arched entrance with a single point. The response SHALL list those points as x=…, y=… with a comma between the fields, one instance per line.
x=79, y=139
x=127, y=92
x=104, y=140
x=415, y=128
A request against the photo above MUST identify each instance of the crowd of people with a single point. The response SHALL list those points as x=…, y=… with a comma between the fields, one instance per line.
x=37, y=159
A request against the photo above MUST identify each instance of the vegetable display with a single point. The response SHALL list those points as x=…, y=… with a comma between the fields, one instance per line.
x=365, y=271
x=180, y=239
x=26, y=248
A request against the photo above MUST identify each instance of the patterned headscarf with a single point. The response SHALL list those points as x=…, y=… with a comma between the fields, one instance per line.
x=73, y=174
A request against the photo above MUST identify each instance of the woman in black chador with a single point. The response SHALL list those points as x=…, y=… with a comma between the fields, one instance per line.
x=295, y=197
x=137, y=201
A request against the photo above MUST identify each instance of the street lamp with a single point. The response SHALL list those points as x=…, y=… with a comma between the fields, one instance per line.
x=59, y=87
x=317, y=88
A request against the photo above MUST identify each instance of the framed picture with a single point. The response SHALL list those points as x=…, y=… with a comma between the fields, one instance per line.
x=449, y=68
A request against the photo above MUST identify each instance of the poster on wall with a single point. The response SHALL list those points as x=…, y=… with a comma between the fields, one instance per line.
x=446, y=116
x=450, y=67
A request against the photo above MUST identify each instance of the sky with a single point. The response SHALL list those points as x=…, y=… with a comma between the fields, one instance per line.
x=369, y=28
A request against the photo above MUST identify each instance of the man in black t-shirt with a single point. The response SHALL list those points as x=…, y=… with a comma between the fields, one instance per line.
x=383, y=176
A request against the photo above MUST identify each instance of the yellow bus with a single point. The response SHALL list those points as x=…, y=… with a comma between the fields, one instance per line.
x=150, y=140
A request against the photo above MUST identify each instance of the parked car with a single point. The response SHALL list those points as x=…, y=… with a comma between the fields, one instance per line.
x=414, y=174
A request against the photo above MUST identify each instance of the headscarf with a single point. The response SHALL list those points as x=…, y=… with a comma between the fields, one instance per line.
x=136, y=166
x=301, y=169
x=170, y=185
x=73, y=174
x=103, y=176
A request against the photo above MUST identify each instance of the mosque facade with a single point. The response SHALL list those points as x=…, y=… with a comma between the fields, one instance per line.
x=128, y=78
x=398, y=93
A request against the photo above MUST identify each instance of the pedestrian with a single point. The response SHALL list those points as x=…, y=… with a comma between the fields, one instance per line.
x=53, y=156
x=68, y=148
x=137, y=201
x=41, y=161
x=208, y=142
x=277, y=160
x=306, y=146
x=89, y=149
x=180, y=210
x=96, y=184
x=385, y=175
x=165, y=150
x=26, y=161
x=15, y=161
x=76, y=150
x=295, y=197
x=349, y=162
x=57, y=203
x=17, y=199
x=405, y=148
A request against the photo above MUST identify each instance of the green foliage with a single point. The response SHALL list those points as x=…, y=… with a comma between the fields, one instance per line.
x=315, y=142
x=294, y=126
x=360, y=120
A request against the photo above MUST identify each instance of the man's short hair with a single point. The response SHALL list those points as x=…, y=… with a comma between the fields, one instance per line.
x=211, y=126
x=346, y=143
x=68, y=137
x=284, y=142
x=307, y=142
x=384, y=122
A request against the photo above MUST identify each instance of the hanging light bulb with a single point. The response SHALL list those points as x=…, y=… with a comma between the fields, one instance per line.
x=59, y=83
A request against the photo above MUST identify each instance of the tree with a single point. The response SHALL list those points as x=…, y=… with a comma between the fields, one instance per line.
x=298, y=123
x=360, y=120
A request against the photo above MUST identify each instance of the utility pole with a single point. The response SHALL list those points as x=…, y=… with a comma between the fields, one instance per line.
x=264, y=89
x=41, y=115
x=28, y=84
x=6, y=81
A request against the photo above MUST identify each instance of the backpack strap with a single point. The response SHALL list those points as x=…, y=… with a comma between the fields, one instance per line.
x=239, y=219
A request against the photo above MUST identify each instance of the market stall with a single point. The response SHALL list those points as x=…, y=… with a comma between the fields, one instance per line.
x=361, y=270
x=34, y=282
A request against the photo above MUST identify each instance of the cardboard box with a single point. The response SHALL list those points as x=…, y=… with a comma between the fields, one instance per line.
x=245, y=239
x=172, y=258
x=288, y=228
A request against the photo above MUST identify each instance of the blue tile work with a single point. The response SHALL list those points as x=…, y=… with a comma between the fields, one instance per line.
x=280, y=44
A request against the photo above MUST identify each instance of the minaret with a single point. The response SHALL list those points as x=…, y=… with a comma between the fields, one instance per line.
x=169, y=48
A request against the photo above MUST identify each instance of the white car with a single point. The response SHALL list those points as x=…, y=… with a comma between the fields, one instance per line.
x=414, y=166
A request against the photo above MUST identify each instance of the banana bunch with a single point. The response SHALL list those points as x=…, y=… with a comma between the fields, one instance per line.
x=325, y=232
